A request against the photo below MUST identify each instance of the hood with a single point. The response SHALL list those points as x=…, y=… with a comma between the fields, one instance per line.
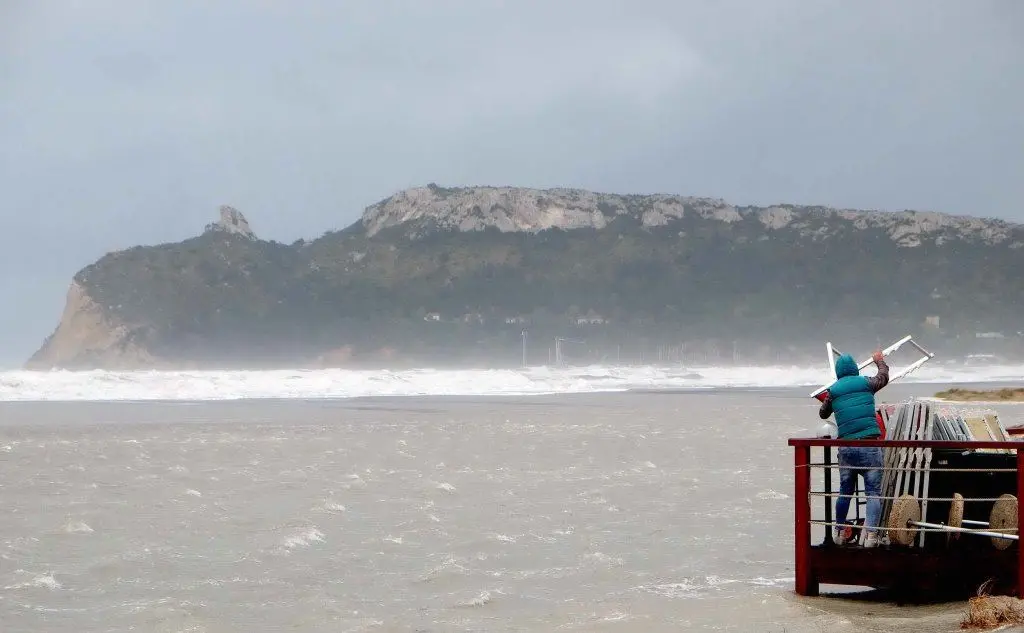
x=846, y=366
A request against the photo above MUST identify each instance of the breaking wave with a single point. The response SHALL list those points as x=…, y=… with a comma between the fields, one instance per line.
x=341, y=383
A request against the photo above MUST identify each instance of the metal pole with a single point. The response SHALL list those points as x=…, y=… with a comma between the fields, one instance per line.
x=950, y=528
x=886, y=353
x=856, y=495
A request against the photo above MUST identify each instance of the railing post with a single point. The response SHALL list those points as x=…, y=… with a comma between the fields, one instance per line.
x=826, y=453
x=806, y=584
x=1020, y=521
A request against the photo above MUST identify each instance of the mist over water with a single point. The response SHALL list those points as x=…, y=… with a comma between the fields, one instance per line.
x=344, y=383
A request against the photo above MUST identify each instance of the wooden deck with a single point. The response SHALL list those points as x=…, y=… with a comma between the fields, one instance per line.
x=957, y=569
x=914, y=573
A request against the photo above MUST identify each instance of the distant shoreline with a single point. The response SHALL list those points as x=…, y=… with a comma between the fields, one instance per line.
x=1001, y=395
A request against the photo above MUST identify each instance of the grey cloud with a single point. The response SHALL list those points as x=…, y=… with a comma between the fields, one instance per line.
x=129, y=123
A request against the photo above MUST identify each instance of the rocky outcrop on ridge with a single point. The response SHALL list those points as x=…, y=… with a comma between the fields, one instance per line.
x=516, y=209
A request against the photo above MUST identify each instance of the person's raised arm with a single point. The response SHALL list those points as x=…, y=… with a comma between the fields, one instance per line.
x=881, y=378
x=825, y=409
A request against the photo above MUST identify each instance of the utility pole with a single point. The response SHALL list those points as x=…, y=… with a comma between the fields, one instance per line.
x=524, y=347
x=558, y=348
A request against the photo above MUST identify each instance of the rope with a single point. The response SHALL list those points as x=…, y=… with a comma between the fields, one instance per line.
x=883, y=528
x=821, y=493
x=912, y=468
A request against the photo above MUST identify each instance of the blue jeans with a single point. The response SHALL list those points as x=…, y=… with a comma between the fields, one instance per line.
x=866, y=462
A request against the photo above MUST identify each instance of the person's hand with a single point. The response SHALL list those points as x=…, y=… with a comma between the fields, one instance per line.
x=877, y=356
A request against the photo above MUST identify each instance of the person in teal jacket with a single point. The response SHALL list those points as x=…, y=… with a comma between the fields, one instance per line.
x=852, y=399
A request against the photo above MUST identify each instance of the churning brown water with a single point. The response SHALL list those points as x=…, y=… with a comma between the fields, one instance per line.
x=616, y=512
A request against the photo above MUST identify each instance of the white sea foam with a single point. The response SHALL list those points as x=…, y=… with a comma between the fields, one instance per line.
x=77, y=527
x=44, y=581
x=700, y=587
x=333, y=506
x=303, y=538
x=341, y=383
x=481, y=599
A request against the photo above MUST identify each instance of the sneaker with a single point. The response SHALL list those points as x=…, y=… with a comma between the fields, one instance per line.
x=839, y=536
x=871, y=540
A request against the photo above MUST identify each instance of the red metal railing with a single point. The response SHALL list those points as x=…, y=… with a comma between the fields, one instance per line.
x=806, y=582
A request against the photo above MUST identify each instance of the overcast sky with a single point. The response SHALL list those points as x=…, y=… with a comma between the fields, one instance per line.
x=127, y=122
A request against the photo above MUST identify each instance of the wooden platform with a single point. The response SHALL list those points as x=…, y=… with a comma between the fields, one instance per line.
x=932, y=572
x=918, y=574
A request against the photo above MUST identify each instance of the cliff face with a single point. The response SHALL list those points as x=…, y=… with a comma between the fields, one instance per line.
x=89, y=335
x=431, y=272
x=92, y=333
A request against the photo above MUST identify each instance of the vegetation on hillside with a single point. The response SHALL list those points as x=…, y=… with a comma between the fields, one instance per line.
x=442, y=292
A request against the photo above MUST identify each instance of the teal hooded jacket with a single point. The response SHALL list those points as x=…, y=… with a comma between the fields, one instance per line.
x=852, y=399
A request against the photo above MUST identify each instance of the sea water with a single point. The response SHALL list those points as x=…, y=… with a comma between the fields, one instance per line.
x=625, y=511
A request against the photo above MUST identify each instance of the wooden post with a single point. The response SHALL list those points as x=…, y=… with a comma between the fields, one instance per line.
x=1020, y=521
x=826, y=453
x=806, y=584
